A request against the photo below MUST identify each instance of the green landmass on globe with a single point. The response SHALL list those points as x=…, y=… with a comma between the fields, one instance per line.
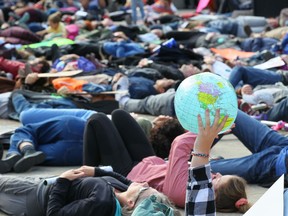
x=205, y=91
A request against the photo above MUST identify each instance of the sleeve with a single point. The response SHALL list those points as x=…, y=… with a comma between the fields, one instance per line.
x=168, y=71
x=59, y=205
x=200, y=198
x=99, y=172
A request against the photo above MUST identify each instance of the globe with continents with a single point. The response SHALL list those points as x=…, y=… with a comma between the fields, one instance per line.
x=204, y=91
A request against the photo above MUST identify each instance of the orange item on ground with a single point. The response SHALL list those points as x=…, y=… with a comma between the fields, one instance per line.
x=71, y=83
x=232, y=54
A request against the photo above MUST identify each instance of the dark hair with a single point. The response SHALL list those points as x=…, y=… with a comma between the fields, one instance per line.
x=45, y=66
x=162, y=136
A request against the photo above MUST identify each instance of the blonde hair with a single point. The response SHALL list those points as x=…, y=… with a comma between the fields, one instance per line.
x=55, y=17
x=161, y=198
x=227, y=196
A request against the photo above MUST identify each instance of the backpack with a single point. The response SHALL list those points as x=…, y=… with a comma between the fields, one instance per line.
x=151, y=207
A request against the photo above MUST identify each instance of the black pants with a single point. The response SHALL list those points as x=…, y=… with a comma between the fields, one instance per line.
x=119, y=142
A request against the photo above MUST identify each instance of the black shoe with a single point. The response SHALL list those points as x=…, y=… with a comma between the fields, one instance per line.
x=29, y=160
x=7, y=164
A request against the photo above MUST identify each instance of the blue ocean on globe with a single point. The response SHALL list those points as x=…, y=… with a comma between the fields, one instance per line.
x=204, y=91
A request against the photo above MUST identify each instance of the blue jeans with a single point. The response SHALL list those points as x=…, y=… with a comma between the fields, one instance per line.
x=60, y=137
x=134, y=4
x=265, y=146
x=38, y=115
x=253, y=76
x=20, y=103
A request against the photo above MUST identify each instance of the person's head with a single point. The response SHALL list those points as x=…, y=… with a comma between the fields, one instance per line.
x=54, y=20
x=162, y=85
x=189, y=70
x=158, y=32
x=40, y=65
x=138, y=192
x=162, y=135
x=230, y=193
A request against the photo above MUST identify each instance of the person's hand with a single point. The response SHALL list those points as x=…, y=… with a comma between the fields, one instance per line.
x=161, y=118
x=205, y=138
x=143, y=62
x=72, y=174
x=87, y=170
x=207, y=133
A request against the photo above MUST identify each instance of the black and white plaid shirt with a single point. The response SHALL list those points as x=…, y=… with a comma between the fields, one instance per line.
x=200, y=199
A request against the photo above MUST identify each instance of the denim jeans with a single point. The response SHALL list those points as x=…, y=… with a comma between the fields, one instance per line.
x=134, y=4
x=59, y=138
x=38, y=115
x=20, y=103
x=265, y=145
x=253, y=76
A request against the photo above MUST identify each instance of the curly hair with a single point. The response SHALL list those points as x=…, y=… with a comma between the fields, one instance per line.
x=162, y=136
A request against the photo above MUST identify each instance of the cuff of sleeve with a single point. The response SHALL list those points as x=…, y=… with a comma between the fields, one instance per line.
x=201, y=173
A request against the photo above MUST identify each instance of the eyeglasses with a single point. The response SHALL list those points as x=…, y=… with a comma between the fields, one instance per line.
x=140, y=192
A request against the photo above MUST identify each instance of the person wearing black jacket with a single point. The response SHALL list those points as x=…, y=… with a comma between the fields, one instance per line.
x=73, y=193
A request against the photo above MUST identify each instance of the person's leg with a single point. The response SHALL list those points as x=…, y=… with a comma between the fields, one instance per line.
x=134, y=138
x=160, y=104
x=134, y=11
x=141, y=7
x=61, y=140
x=253, y=76
x=255, y=135
x=38, y=115
x=45, y=142
x=103, y=145
x=14, y=192
x=279, y=111
x=266, y=146
x=258, y=168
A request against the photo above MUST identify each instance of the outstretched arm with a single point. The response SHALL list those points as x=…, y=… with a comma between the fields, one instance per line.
x=200, y=193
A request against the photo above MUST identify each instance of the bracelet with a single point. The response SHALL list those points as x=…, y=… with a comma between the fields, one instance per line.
x=199, y=154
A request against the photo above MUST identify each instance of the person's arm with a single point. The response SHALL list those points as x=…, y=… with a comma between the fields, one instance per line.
x=98, y=172
x=200, y=198
x=166, y=71
x=58, y=197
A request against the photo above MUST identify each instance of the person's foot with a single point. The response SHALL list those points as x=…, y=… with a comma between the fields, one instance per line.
x=7, y=164
x=29, y=160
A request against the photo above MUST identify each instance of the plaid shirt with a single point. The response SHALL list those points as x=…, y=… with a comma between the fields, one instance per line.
x=200, y=199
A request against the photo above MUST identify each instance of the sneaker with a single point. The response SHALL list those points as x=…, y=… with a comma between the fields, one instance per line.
x=7, y=164
x=29, y=160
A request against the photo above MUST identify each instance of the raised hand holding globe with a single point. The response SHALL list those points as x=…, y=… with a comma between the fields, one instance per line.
x=204, y=91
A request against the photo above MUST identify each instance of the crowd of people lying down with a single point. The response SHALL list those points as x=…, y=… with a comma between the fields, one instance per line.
x=74, y=73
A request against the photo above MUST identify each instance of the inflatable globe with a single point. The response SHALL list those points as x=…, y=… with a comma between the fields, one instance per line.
x=201, y=91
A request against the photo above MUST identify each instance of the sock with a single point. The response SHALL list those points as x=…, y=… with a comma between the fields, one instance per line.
x=28, y=149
